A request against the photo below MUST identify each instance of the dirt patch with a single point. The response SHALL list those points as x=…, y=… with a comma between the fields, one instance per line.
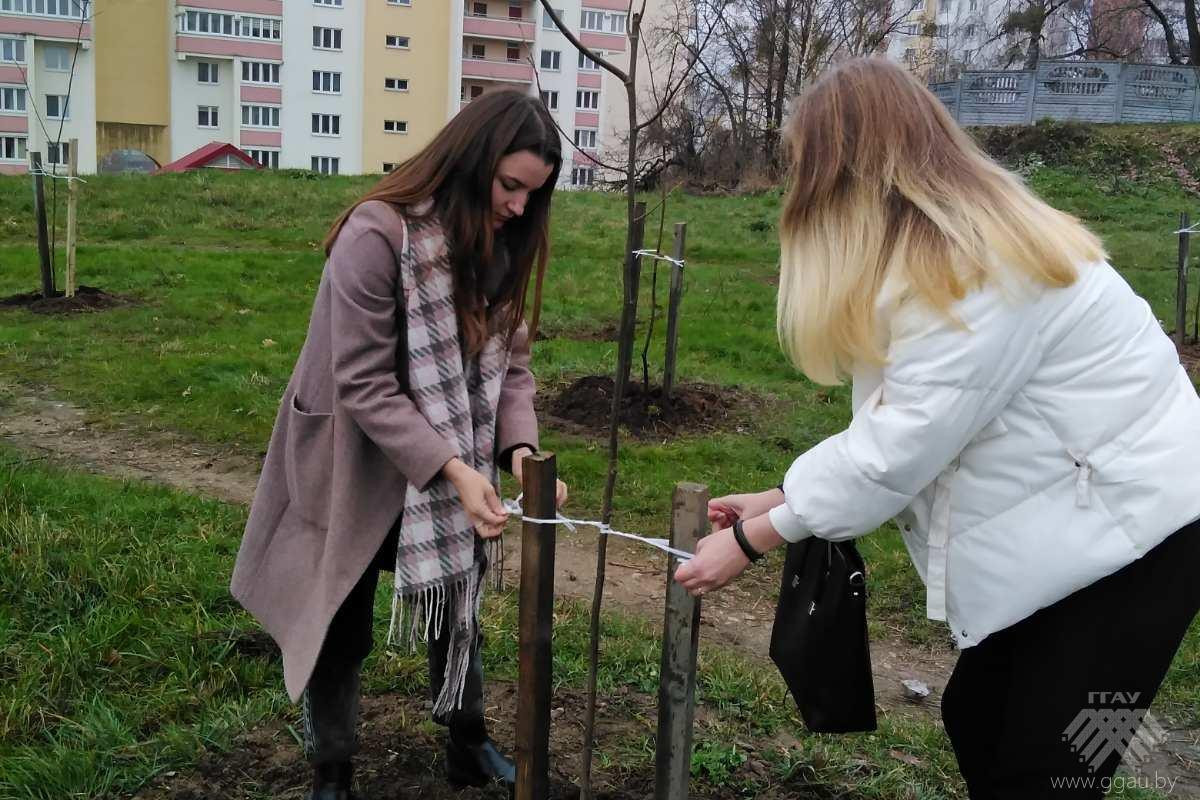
x=401, y=760
x=586, y=403
x=86, y=298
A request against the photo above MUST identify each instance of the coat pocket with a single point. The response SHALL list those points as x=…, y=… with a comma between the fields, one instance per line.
x=309, y=463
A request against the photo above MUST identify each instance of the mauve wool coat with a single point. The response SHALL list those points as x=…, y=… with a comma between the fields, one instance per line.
x=346, y=442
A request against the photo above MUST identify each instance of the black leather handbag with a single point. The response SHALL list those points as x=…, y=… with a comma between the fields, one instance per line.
x=819, y=640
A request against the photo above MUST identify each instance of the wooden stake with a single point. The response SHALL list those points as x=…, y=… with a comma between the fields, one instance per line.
x=673, y=310
x=681, y=640
x=39, y=211
x=1182, y=285
x=72, y=200
x=535, y=667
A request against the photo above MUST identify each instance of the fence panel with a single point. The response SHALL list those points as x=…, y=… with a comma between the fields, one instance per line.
x=1158, y=93
x=995, y=98
x=947, y=92
x=1079, y=90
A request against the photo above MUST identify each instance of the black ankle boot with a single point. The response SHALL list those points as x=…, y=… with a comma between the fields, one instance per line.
x=478, y=764
x=332, y=782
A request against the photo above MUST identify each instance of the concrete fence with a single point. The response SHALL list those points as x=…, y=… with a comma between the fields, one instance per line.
x=1090, y=91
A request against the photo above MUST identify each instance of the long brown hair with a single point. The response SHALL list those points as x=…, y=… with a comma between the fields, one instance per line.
x=456, y=170
x=885, y=188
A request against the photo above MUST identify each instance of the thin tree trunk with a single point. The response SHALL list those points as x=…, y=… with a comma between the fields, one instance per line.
x=1193, y=31
x=624, y=361
x=1168, y=31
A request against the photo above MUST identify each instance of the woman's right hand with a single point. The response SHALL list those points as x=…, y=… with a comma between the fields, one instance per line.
x=724, y=511
x=478, y=497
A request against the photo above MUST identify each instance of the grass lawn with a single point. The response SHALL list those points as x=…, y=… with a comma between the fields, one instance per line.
x=119, y=660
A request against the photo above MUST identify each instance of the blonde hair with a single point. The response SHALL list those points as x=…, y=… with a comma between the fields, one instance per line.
x=884, y=184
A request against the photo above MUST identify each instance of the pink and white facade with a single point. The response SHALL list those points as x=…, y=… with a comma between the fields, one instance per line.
x=39, y=42
x=337, y=86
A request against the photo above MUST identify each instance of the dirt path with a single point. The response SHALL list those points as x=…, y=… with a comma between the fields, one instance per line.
x=739, y=616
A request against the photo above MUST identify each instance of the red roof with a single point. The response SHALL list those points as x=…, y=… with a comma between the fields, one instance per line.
x=206, y=155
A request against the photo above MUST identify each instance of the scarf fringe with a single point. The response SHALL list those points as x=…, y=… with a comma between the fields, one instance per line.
x=447, y=609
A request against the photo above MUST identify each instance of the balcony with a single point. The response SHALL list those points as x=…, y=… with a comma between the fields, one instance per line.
x=506, y=28
x=490, y=70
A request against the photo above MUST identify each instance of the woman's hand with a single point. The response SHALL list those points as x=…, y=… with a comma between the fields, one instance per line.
x=718, y=560
x=518, y=456
x=724, y=511
x=478, y=497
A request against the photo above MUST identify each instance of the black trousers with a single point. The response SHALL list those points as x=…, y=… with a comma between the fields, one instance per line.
x=330, y=703
x=1046, y=707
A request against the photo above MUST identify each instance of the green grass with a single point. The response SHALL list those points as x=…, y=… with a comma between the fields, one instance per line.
x=225, y=268
x=118, y=656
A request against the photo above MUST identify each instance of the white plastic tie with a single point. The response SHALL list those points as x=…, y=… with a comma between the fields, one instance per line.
x=679, y=262
x=514, y=507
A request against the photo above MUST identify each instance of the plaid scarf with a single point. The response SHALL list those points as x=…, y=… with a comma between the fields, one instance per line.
x=438, y=577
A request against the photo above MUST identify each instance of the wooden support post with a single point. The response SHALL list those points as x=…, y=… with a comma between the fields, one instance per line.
x=673, y=310
x=536, y=622
x=1182, y=285
x=39, y=211
x=681, y=639
x=72, y=202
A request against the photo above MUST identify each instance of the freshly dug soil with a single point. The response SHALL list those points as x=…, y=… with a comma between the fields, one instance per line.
x=400, y=757
x=87, y=298
x=586, y=405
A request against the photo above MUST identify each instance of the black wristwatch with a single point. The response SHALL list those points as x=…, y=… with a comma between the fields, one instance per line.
x=739, y=535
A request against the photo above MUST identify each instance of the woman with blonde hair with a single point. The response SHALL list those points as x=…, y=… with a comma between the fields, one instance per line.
x=1017, y=409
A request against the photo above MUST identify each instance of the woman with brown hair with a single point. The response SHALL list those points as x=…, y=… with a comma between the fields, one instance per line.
x=1017, y=409
x=412, y=387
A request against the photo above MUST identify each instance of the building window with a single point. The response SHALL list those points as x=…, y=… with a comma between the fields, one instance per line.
x=397, y=42
x=326, y=165
x=330, y=3
x=327, y=38
x=587, y=100
x=476, y=91
x=479, y=9
x=591, y=20
x=207, y=116
x=54, y=8
x=616, y=23
x=12, y=148
x=969, y=31
x=513, y=51
x=395, y=126
x=966, y=59
x=12, y=98
x=550, y=100
x=583, y=176
x=56, y=106
x=514, y=11
x=395, y=84
x=12, y=51
x=551, y=59
x=586, y=64
x=216, y=24
x=548, y=21
x=260, y=28
x=58, y=152
x=207, y=22
x=585, y=138
x=58, y=59
x=265, y=158
x=260, y=116
x=260, y=72
x=206, y=72
x=399, y=2
x=910, y=56
x=327, y=82
x=478, y=51
x=388, y=166
x=327, y=124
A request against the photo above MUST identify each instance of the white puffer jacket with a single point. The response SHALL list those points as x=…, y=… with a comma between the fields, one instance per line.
x=1045, y=442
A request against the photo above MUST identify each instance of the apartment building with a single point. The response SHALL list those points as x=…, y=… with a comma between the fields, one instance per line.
x=335, y=86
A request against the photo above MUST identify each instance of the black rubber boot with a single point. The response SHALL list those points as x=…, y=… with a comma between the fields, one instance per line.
x=333, y=781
